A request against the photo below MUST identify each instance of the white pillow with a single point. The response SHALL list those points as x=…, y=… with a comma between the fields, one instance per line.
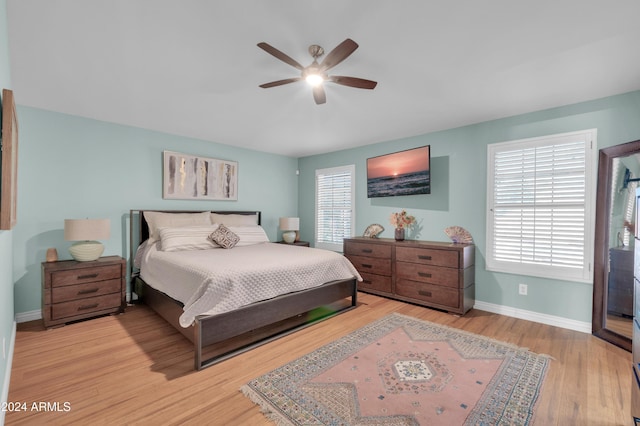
x=187, y=238
x=235, y=219
x=249, y=235
x=157, y=220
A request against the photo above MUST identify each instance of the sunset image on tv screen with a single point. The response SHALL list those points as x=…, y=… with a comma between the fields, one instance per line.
x=400, y=173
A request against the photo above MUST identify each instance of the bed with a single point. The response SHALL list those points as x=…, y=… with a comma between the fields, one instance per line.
x=228, y=301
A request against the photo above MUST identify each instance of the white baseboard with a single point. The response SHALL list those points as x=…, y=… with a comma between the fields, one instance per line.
x=584, y=327
x=7, y=375
x=29, y=316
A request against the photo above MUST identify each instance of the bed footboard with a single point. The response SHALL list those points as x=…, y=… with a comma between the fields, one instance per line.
x=219, y=337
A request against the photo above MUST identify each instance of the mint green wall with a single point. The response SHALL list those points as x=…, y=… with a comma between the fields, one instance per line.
x=72, y=167
x=458, y=195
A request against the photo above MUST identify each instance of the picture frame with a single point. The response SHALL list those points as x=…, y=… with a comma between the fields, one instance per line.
x=400, y=173
x=9, y=176
x=190, y=177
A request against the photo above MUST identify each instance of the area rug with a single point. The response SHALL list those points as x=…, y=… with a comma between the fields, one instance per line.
x=400, y=370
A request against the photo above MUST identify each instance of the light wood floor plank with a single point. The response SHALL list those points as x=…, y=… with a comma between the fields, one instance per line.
x=136, y=369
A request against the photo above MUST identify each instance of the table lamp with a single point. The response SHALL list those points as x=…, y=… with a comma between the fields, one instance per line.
x=291, y=226
x=85, y=232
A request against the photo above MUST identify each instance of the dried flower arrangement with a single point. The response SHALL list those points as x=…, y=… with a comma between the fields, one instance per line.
x=402, y=219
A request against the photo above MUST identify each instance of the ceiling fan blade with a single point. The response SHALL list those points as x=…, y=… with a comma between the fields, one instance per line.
x=278, y=54
x=318, y=95
x=339, y=54
x=280, y=82
x=359, y=83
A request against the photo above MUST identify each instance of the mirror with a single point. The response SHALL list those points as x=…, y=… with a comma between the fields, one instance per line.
x=618, y=178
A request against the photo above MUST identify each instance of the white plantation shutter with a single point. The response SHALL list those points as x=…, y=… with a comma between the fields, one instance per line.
x=540, y=206
x=334, y=206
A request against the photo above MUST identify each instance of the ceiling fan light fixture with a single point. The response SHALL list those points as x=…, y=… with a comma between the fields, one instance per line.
x=314, y=79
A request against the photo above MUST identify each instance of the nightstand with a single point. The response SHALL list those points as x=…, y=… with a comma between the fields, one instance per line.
x=73, y=290
x=296, y=243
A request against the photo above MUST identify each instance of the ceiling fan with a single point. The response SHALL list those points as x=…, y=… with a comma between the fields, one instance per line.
x=316, y=73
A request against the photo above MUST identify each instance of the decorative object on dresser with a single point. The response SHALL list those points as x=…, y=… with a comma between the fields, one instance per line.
x=189, y=177
x=400, y=221
x=290, y=226
x=85, y=231
x=52, y=255
x=9, y=167
x=458, y=234
x=373, y=231
x=436, y=274
x=73, y=290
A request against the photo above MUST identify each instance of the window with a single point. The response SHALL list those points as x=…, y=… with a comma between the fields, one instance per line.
x=335, y=215
x=540, y=206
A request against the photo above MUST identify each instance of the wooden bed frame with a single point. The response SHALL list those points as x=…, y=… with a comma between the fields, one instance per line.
x=219, y=337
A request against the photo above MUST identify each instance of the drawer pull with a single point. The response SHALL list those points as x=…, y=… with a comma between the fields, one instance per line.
x=89, y=291
x=367, y=282
x=424, y=274
x=367, y=250
x=423, y=257
x=85, y=307
x=84, y=277
x=364, y=265
x=424, y=293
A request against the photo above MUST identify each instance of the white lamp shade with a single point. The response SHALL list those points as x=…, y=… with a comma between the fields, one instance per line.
x=290, y=223
x=86, y=229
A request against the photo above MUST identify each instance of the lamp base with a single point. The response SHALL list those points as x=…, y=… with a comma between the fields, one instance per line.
x=86, y=251
x=289, y=236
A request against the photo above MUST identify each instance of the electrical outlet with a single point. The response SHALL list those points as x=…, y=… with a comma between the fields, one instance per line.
x=522, y=289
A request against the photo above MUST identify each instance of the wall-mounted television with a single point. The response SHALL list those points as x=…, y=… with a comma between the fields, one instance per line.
x=400, y=173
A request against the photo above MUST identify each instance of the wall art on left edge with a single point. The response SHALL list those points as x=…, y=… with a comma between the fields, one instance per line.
x=189, y=177
x=9, y=178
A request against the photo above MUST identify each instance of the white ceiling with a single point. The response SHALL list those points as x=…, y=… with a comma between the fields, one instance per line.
x=192, y=68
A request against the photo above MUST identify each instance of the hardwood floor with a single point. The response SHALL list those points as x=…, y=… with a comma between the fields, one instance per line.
x=136, y=369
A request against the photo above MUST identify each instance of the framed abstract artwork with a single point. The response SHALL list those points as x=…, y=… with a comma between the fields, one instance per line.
x=9, y=177
x=189, y=177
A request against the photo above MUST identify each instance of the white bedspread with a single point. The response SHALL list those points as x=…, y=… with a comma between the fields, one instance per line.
x=215, y=281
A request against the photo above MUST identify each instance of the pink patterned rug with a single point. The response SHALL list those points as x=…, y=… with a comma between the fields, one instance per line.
x=404, y=371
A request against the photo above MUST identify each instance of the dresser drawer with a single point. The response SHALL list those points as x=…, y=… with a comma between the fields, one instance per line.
x=369, y=250
x=82, y=291
x=85, y=275
x=375, y=282
x=448, y=258
x=81, y=306
x=428, y=274
x=371, y=265
x=428, y=293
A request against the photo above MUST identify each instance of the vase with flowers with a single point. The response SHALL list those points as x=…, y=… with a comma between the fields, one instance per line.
x=401, y=221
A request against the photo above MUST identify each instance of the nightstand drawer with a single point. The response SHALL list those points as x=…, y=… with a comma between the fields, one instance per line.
x=426, y=256
x=375, y=282
x=82, y=306
x=428, y=293
x=369, y=250
x=371, y=265
x=429, y=274
x=82, y=291
x=85, y=275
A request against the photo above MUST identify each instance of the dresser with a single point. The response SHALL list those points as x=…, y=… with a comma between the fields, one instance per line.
x=435, y=274
x=620, y=282
x=73, y=290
